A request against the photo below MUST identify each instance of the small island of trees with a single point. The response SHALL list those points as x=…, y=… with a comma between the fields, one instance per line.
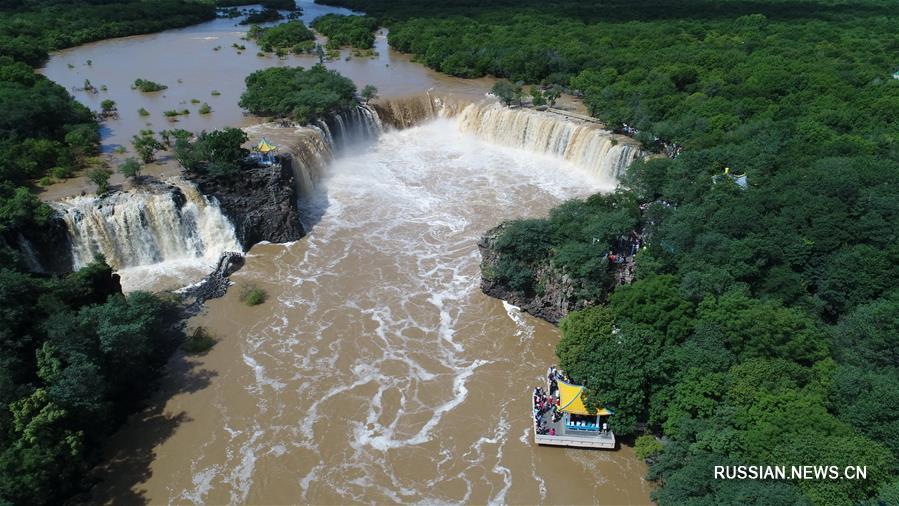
x=297, y=93
x=292, y=35
x=342, y=31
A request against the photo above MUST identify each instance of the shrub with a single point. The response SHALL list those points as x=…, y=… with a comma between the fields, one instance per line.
x=143, y=112
x=130, y=168
x=252, y=295
x=647, y=446
x=204, y=109
x=147, y=86
x=100, y=177
x=61, y=172
x=199, y=341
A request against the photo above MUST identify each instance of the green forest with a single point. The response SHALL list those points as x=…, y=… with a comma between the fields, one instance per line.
x=302, y=95
x=762, y=323
x=76, y=356
x=342, y=31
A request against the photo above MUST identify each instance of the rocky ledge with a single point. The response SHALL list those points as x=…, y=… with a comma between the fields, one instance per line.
x=261, y=203
x=555, y=299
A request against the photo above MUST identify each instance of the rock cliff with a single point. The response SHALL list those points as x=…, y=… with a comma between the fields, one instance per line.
x=261, y=203
x=555, y=298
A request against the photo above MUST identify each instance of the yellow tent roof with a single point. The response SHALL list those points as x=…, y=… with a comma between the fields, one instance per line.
x=570, y=400
x=265, y=146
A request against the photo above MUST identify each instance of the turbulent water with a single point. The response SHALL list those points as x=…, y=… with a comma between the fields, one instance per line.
x=583, y=144
x=164, y=228
x=377, y=371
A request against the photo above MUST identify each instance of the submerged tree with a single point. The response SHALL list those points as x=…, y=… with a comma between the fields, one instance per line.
x=146, y=145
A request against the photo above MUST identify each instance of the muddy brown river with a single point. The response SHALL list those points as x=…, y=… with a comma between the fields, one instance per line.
x=376, y=371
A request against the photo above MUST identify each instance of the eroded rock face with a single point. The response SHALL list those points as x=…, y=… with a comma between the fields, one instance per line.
x=261, y=203
x=557, y=295
x=214, y=285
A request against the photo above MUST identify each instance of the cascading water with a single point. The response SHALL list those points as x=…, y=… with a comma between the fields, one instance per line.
x=139, y=227
x=599, y=152
x=354, y=126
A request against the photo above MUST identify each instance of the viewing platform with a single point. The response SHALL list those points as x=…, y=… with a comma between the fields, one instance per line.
x=561, y=418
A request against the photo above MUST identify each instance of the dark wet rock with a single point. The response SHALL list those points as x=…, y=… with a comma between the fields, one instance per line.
x=260, y=202
x=214, y=285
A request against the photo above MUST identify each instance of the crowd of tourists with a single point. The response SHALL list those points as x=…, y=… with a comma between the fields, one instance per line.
x=546, y=404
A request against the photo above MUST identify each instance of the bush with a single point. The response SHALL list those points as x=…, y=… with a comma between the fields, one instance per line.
x=147, y=86
x=143, y=112
x=252, y=295
x=647, y=446
x=199, y=341
x=130, y=168
x=146, y=145
x=218, y=153
x=61, y=172
x=204, y=109
x=100, y=177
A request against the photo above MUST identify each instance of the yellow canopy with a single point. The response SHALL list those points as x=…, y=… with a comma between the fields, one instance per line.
x=265, y=146
x=570, y=400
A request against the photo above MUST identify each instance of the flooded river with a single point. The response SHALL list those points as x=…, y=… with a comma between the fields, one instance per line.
x=186, y=61
x=376, y=372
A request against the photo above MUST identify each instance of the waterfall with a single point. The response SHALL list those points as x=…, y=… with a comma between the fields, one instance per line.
x=358, y=125
x=143, y=227
x=406, y=112
x=599, y=152
x=28, y=254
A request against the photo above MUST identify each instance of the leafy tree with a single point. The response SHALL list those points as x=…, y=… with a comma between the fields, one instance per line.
x=130, y=168
x=552, y=94
x=369, y=93
x=107, y=108
x=100, y=177
x=146, y=145
x=506, y=91
x=217, y=153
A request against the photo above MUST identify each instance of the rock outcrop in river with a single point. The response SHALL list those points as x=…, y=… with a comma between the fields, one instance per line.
x=557, y=294
x=261, y=203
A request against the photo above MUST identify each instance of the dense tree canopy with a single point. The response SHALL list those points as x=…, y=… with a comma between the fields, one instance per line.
x=291, y=35
x=303, y=95
x=354, y=31
x=761, y=326
x=76, y=356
